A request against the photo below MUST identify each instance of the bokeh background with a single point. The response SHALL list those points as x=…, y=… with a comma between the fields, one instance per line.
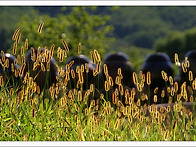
x=134, y=30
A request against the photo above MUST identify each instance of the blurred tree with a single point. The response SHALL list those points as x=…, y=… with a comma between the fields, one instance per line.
x=8, y=23
x=76, y=27
x=173, y=43
x=177, y=42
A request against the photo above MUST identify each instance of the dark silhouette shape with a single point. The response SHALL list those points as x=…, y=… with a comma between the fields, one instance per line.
x=155, y=63
x=119, y=60
x=44, y=79
x=10, y=80
x=88, y=77
x=184, y=76
x=114, y=62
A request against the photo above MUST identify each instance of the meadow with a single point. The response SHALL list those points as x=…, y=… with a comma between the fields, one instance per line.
x=59, y=113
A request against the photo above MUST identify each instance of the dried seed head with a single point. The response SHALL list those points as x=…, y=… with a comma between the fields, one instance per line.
x=163, y=93
x=148, y=78
x=98, y=66
x=105, y=69
x=114, y=98
x=80, y=95
x=95, y=72
x=191, y=98
x=187, y=62
x=164, y=75
x=155, y=98
x=175, y=86
x=48, y=66
x=82, y=68
x=92, y=88
x=135, y=80
x=190, y=90
x=143, y=77
x=155, y=90
x=121, y=89
x=40, y=27
x=140, y=74
x=139, y=87
x=177, y=60
x=26, y=43
x=138, y=102
x=14, y=48
x=43, y=67
x=15, y=34
x=18, y=38
x=72, y=73
x=119, y=71
x=190, y=75
x=184, y=67
x=97, y=56
x=117, y=80
x=1, y=80
x=111, y=81
x=86, y=68
x=65, y=45
x=107, y=87
x=171, y=80
x=79, y=48
x=92, y=57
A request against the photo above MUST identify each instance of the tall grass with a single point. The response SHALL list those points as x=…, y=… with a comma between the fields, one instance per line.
x=63, y=114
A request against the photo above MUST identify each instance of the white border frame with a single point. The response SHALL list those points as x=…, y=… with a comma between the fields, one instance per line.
x=98, y=3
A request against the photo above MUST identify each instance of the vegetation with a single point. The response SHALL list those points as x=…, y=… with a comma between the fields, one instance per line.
x=177, y=41
x=63, y=114
x=76, y=27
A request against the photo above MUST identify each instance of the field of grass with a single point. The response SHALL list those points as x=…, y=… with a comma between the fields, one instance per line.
x=63, y=114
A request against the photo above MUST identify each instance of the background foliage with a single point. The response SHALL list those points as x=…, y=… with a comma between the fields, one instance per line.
x=166, y=29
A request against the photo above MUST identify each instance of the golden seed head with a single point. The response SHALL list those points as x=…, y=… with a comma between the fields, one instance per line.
x=15, y=34
x=140, y=74
x=43, y=67
x=163, y=93
x=194, y=84
x=190, y=90
x=121, y=89
x=26, y=44
x=117, y=80
x=171, y=80
x=155, y=98
x=177, y=60
x=114, y=97
x=107, y=87
x=1, y=80
x=111, y=81
x=155, y=90
x=86, y=68
x=40, y=27
x=92, y=88
x=190, y=75
x=79, y=48
x=14, y=48
x=65, y=45
x=135, y=80
x=92, y=57
x=119, y=71
x=95, y=72
x=139, y=87
x=148, y=78
x=184, y=67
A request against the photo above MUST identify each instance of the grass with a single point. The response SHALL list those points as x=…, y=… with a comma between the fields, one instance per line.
x=63, y=114
x=28, y=119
